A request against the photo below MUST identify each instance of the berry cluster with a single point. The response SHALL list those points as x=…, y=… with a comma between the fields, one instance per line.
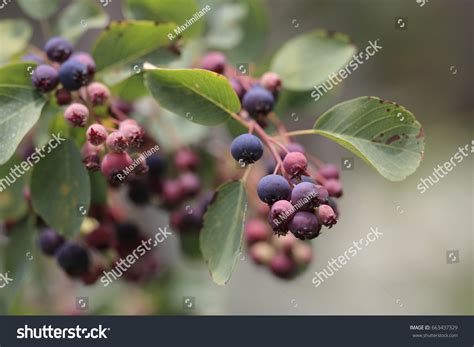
x=88, y=104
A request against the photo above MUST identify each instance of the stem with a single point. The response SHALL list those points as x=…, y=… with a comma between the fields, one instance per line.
x=278, y=144
x=267, y=141
x=280, y=126
x=301, y=132
x=277, y=167
x=246, y=173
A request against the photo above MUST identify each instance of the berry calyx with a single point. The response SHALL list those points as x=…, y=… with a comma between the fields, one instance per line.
x=258, y=101
x=117, y=142
x=132, y=132
x=45, y=78
x=98, y=93
x=295, y=164
x=58, y=49
x=304, y=225
x=96, y=134
x=246, y=149
x=77, y=114
x=272, y=188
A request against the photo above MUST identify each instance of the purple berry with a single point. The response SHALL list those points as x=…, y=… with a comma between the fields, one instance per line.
x=238, y=89
x=272, y=188
x=172, y=193
x=96, y=134
x=117, y=142
x=306, y=196
x=77, y=114
x=329, y=171
x=58, y=49
x=295, y=164
x=63, y=97
x=214, y=61
x=334, y=187
x=98, y=93
x=258, y=101
x=190, y=183
x=114, y=163
x=73, y=75
x=283, y=266
x=246, y=149
x=49, y=241
x=186, y=160
x=157, y=165
x=304, y=225
x=45, y=78
x=271, y=81
x=326, y=216
x=73, y=259
x=90, y=156
x=256, y=230
x=87, y=60
x=280, y=215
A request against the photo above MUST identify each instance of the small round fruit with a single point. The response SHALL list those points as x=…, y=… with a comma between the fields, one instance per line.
x=101, y=238
x=49, y=241
x=214, y=61
x=157, y=164
x=334, y=187
x=77, y=114
x=271, y=81
x=262, y=253
x=302, y=253
x=113, y=165
x=258, y=101
x=90, y=156
x=326, y=216
x=73, y=259
x=58, y=49
x=133, y=132
x=190, y=183
x=98, y=93
x=96, y=134
x=272, y=188
x=295, y=164
x=329, y=171
x=282, y=266
x=117, y=142
x=304, y=225
x=45, y=78
x=246, y=148
x=292, y=147
x=306, y=196
x=172, y=192
x=256, y=230
x=63, y=97
x=185, y=160
x=285, y=243
x=87, y=60
x=73, y=75
x=280, y=215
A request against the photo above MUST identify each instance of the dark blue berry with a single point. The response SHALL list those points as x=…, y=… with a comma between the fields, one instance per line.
x=139, y=193
x=246, y=148
x=73, y=259
x=258, y=101
x=157, y=165
x=45, y=78
x=58, y=49
x=304, y=225
x=73, y=75
x=49, y=241
x=272, y=188
x=127, y=232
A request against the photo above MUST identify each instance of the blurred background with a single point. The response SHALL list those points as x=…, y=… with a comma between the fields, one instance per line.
x=426, y=66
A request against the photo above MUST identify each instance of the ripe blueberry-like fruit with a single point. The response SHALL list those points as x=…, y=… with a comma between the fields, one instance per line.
x=246, y=149
x=187, y=220
x=326, y=215
x=139, y=193
x=113, y=164
x=117, y=142
x=262, y=253
x=329, y=171
x=98, y=93
x=87, y=60
x=214, y=61
x=96, y=134
x=73, y=75
x=256, y=230
x=306, y=196
x=295, y=164
x=304, y=225
x=258, y=101
x=58, y=49
x=63, y=97
x=133, y=132
x=49, y=241
x=73, y=259
x=157, y=165
x=282, y=266
x=185, y=160
x=334, y=187
x=271, y=81
x=272, y=188
x=45, y=78
x=77, y=114
x=280, y=215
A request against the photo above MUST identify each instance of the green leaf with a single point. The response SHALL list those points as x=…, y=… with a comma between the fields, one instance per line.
x=59, y=187
x=14, y=36
x=79, y=17
x=201, y=96
x=126, y=41
x=223, y=228
x=308, y=59
x=382, y=133
x=99, y=188
x=176, y=11
x=15, y=258
x=130, y=88
x=12, y=203
x=38, y=9
x=20, y=107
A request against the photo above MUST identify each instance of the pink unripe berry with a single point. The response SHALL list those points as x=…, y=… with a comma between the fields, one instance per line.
x=295, y=164
x=133, y=132
x=256, y=230
x=214, y=61
x=302, y=253
x=190, y=183
x=185, y=159
x=329, y=171
x=285, y=243
x=262, y=253
x=334, y=187
x=283, y=266
x=77, y=114
x=114, y=163
x=280, y=214
x=271, y=81
x=98, y=93
x=326, y=215
x=90, y=157
x=96, y=134
x=117, y=142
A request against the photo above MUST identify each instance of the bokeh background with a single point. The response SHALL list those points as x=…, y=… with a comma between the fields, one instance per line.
x=428, y=68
